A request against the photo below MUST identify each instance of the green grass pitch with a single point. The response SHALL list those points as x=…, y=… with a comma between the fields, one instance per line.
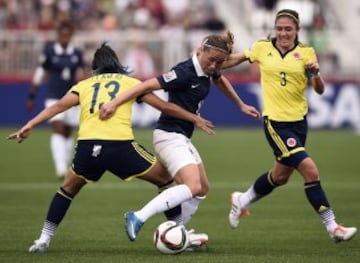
x=281, y=228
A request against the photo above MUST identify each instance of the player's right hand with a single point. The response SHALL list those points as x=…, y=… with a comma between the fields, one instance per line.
x=21, y=134
x=205, y=125
x=106, y=111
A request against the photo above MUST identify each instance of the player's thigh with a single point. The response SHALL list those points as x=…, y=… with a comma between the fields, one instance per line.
x=128, y=160
x=88, y=162
x=190, y=175
x=175, y=151
x=287, y=140
x=157, y=175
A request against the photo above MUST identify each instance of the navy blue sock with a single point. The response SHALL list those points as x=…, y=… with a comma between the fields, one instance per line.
x=58, y=207
x=316, y=196
x=264, y=184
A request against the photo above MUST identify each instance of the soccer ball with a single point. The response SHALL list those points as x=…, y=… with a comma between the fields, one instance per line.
x=171, y=238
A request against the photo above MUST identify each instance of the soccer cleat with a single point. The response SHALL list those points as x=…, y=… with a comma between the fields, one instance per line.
x=236, y=210
x=196, y=240
x=341, y=233
x=39, y=247
x=132, y=225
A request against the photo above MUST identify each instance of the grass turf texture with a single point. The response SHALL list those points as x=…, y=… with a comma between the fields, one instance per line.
x=282, y=227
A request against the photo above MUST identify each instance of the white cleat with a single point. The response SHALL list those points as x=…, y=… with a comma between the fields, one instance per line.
x=196, y=240
x=39, y=247
x=341, y=233
x=236, y=210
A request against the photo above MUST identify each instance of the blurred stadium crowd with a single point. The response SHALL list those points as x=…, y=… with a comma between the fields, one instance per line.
x=151, y=35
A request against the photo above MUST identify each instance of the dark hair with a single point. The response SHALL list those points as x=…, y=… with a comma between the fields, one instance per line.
x=223, y=42
x=289, y=13
x=106, y=61
x=67, y=25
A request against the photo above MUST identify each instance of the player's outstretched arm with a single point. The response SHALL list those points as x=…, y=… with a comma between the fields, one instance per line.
x=226, y=87
x=178, y=112
x=65, y=103
x=233, y=60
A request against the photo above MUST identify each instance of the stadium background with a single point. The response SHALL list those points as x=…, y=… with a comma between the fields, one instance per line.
x=151, y=39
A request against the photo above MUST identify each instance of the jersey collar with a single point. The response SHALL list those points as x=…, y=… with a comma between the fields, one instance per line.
x=198, y=69
x=60, y=51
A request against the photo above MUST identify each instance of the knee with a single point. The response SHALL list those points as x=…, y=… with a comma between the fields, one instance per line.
x=281, y=179
x=73, y=184
x=196, y=189
x=204, y=190
x=311, y=176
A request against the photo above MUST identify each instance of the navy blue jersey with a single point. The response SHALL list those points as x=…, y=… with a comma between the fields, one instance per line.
x=61, y=66
x=187, y=86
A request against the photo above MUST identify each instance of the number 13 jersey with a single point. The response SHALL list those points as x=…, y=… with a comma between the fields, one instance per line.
x=95, y=91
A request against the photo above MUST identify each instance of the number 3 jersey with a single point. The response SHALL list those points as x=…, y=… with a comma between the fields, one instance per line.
x=95, y=91
x=283, y=79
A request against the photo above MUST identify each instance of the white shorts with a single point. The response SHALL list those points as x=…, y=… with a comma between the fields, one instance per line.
x=174, y=150
x=69, y=117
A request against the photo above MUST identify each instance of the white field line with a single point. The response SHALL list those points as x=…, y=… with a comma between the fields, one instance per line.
x=241, y=185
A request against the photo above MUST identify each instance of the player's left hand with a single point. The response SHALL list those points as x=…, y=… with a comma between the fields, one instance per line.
x=251, y=111
x=312, y=68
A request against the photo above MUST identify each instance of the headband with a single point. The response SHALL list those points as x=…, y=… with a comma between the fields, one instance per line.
x=288, y=14
x=205, y=44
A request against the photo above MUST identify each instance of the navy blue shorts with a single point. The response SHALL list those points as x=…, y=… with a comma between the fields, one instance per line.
x=125, y=159
x=287, y=139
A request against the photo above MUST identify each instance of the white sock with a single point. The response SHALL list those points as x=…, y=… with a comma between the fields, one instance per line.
x=188, y=208
x=168, y=199
x=328, y=219
x=59, y=153
x=47, y=232
x=250, y=196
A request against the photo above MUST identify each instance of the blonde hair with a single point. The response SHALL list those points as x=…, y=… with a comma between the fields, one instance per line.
x=223, y=43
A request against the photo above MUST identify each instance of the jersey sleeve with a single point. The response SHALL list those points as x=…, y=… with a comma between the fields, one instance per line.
x=45, y=57
x=174, y=79
x=252, y=52
x=75, y=89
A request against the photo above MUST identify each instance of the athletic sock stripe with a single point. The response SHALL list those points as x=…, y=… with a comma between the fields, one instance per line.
x=49, y=228
x=64, y=194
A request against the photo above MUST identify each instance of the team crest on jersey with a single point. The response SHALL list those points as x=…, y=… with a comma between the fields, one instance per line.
x=169, y=76
x=291, y=142
x=297, y=55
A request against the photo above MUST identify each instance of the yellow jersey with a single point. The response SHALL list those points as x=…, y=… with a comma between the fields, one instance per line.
x=283, y=79
x=95, y=91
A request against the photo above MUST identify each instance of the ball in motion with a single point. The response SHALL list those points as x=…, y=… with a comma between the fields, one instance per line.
x=171, y=238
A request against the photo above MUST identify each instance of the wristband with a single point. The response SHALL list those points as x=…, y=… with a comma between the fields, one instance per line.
x=316, y=75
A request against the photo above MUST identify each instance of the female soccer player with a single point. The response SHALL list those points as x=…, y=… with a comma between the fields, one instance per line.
x=285, y=66
x=62, y=63
x=188, y=84
x=102, y=145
